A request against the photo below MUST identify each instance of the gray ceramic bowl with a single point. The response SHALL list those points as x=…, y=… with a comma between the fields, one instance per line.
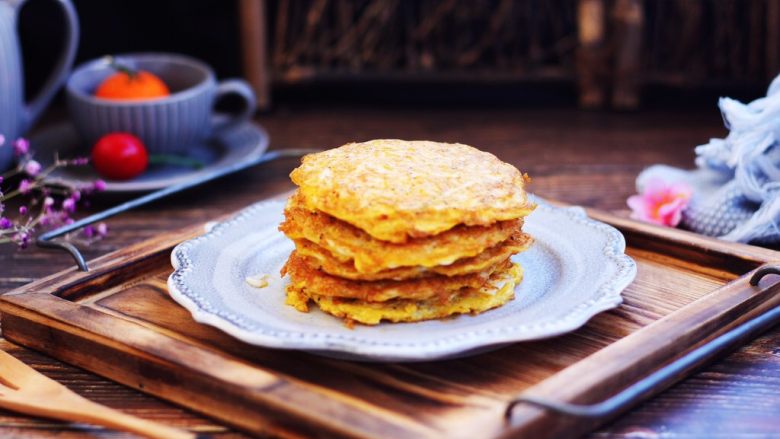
x=165, y=125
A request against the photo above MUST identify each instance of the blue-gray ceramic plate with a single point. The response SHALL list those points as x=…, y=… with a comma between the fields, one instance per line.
x=244, y=143
x=576, y=269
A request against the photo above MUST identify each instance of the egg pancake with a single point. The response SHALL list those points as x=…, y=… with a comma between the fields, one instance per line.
x=499, y=290
x=370, y=255
x=320, y=258
x=317, y=282
x=395, y=189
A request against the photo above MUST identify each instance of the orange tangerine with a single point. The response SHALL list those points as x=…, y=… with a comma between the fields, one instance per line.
x=126, y=85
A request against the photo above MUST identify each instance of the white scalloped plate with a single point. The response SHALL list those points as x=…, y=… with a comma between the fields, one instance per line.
x=575, y=269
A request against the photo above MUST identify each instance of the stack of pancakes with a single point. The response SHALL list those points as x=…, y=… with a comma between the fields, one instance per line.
x=404, y=231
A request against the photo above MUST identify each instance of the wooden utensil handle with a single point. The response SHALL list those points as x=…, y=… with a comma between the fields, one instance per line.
x=82, y=410
x=115, y=419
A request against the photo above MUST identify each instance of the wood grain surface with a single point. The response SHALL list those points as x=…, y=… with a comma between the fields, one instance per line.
x=118, y=321
x=585, y=158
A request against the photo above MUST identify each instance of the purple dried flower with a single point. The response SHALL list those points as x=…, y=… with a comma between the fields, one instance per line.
x=21, y=146
x=41, y=196
x=69, y=204
x=32, y=168
x=25, y=186
x=23, y=239
x=89, y=231
x=1, y=179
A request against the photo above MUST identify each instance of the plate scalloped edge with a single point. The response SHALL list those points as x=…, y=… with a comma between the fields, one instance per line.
x=608, y=296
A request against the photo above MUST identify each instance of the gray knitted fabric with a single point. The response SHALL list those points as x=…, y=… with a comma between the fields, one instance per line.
x=736, y=186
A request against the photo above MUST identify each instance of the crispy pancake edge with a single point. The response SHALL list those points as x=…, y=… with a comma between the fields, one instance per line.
x=369, y=255
x=317, y=282
x=403, y=310
x=320, y=258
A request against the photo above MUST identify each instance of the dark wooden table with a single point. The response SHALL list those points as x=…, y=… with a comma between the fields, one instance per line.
x=584, y=158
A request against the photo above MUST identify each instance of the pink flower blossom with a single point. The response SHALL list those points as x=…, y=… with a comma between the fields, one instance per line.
x=21, y=147
x=99, y=185
x=99, y=230
x=32, y=168
x=660, y=203
x=25, y=186
x=69, y=205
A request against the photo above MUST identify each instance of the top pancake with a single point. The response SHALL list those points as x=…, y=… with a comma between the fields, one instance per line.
x=397, y=189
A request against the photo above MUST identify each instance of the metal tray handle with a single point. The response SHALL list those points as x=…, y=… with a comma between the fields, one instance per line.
x=644, y=387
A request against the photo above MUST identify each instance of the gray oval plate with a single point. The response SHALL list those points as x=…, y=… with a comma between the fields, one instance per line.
x=576, y=268
x=244, y=143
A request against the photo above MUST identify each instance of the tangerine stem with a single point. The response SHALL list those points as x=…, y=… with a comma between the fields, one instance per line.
x=122, y=68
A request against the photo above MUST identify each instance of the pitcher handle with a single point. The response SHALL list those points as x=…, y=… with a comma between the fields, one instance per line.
x=62, y=69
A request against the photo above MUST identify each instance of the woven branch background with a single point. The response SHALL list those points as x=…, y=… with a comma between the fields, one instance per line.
x=421, y=36
x=687, y=42
x=692, y=41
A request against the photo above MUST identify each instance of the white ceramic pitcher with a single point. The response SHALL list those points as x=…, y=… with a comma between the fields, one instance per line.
x=16, y=115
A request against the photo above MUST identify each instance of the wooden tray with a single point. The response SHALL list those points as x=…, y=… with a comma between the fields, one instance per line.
x=118, y=321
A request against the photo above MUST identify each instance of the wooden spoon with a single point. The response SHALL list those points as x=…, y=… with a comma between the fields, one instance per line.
x=25, y=390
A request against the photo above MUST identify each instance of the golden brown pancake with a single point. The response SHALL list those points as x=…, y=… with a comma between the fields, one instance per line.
x=320, y=258
x=499, y=290
x=317, y=282
x=395, y=189
x=370, y=255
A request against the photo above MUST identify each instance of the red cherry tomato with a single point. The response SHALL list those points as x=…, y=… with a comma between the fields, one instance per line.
x=119, y=156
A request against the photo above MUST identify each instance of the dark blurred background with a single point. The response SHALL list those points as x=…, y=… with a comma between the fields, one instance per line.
x=603, y=54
